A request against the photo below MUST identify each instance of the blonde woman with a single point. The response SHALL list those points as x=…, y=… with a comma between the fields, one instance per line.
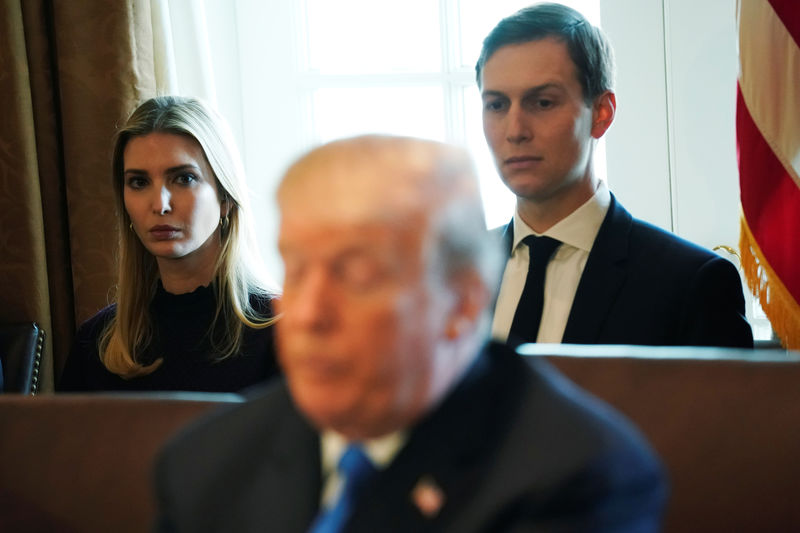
x=191, y=311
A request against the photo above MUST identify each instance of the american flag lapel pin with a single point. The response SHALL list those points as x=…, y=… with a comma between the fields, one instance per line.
x=428, y=496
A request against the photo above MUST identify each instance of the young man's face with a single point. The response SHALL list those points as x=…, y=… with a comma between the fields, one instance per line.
x=536, y=121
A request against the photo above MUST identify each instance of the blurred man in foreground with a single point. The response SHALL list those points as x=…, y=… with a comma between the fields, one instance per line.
x=395, y=414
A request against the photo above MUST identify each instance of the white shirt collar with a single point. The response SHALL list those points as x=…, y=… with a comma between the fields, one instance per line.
x=381, y=451
x=579, y=228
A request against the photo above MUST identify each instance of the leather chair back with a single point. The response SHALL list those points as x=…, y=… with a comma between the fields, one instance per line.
x=20, y=356
x=82, y=463
x=724, y=421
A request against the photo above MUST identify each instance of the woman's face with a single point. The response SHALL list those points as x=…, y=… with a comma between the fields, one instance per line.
x=170, y=194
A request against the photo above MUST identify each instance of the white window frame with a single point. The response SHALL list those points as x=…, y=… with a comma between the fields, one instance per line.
x=670, y=153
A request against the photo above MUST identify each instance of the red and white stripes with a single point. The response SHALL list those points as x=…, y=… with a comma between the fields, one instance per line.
x=768, y=139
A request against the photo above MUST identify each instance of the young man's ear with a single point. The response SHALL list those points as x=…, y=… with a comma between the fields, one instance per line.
x=603, y=111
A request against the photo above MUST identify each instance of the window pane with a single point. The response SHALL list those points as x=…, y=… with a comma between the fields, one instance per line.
x=478, y=17
x=367, y=36
x=413, y=111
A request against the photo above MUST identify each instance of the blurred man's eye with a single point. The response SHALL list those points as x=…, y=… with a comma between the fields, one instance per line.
x=292, y=272
x=362, y=274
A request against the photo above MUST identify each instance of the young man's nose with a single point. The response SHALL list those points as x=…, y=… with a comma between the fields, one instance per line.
x=517, y=126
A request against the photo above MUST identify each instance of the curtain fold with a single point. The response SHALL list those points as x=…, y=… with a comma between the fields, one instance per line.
x=70, y=72
x=23, y=275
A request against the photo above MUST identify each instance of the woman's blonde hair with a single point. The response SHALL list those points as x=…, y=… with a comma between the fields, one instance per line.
x=237, y=275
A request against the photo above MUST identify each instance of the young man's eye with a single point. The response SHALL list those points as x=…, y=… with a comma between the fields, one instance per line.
x=494, y=105
x=544, y=103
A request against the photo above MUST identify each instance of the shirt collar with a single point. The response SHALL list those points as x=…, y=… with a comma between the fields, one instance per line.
x=381, y=451
x=579, y=228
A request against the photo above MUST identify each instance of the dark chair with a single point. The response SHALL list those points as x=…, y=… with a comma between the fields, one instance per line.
x=20, y=356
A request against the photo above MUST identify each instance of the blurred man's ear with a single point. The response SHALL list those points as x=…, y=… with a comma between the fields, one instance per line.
x=603, y=110
x=471, y=300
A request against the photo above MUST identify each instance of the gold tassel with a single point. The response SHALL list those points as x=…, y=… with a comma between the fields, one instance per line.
x=777, y=302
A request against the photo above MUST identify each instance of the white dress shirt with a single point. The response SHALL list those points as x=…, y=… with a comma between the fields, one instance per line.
x=577, y=233
x=381, y=452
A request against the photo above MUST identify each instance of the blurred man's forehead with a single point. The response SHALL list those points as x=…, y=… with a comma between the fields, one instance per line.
x=295, y=232
x=352, y=195
x=374, y=178
x=375, y=164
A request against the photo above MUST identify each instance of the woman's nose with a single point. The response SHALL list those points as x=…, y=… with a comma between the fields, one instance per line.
x=161, y=203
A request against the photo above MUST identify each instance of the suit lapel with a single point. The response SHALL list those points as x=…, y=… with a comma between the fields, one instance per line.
x=444, y=460
x=602, y=278
x=290, y=472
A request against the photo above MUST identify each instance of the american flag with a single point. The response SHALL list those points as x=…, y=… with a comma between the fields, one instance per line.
x=768, y=142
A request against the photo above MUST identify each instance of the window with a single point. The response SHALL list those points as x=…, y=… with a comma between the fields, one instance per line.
x=314, y=70
x=401, y=68
x=293, y=73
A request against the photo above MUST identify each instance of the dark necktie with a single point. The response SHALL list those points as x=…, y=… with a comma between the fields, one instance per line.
x=356, y=470
x=525, y=326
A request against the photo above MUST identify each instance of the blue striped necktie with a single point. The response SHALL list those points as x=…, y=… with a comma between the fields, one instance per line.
x=356, y=470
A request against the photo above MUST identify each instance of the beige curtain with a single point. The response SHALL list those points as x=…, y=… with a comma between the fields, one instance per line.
x=69, y=73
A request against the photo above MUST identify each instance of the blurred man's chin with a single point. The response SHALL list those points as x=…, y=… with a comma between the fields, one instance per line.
x=324, y=416
x=320, y=403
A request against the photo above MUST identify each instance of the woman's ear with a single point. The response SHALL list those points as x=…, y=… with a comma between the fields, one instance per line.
x=603, y=110
x=224, y=206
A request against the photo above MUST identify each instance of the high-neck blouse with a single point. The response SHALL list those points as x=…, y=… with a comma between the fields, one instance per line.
x=183, y=337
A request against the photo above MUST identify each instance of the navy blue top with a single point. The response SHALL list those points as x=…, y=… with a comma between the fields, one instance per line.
x=182, y=337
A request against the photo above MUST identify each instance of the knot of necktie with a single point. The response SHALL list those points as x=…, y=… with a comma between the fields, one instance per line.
x=541, y=249
x=356, y=470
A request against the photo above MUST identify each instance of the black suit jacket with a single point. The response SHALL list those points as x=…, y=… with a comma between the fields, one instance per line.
x=644, y=285
x=515, y=447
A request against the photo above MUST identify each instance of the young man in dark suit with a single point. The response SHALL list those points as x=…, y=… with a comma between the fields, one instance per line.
x=389, y=275
x=596, y=274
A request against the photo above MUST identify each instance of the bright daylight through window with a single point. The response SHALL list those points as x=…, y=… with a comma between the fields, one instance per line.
x=407, y=71
x=290, y=74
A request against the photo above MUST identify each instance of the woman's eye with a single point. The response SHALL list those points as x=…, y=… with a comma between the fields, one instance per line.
x=136, y=183
x=185, y=179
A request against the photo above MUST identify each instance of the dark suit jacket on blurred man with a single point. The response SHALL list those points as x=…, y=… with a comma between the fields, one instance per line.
x=384, y=316
x=515, y=447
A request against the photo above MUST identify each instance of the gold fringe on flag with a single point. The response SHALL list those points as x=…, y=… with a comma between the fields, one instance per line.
x=777, y=302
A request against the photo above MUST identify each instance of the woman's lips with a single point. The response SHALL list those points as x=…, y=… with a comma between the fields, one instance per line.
x=164, y=233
